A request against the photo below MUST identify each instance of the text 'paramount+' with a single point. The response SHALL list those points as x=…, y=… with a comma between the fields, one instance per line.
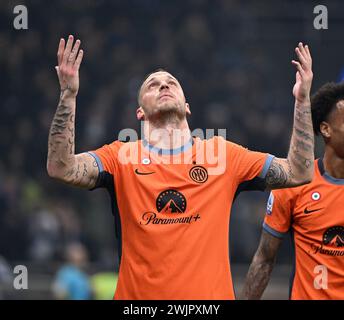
x=151, y=218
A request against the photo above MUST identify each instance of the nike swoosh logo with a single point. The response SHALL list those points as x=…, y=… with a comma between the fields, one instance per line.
x=306, y=211
x=142, y=173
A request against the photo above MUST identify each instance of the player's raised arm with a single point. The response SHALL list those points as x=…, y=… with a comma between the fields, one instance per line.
x=80, y=170
x=297, y=169
x=261, y=267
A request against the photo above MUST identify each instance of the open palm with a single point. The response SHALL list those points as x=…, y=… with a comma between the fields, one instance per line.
x=69, y=58
x=304, y=74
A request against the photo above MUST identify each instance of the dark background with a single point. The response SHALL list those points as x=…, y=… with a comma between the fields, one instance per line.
x=233, y=59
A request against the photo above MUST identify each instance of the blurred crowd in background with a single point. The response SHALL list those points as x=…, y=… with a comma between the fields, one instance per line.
x=233, y=59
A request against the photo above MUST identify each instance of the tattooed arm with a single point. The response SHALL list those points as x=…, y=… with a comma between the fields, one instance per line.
x=298, y=168
x=79, y=170
x=261, y=267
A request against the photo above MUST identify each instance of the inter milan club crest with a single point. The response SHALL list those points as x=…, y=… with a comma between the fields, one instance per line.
x=198, y=174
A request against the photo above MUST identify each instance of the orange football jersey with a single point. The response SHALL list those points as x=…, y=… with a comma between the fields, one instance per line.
x=315, y=215
x=173, y=214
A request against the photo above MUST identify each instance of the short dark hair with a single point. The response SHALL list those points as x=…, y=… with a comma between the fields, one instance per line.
x=154, y=71
x=324, y=102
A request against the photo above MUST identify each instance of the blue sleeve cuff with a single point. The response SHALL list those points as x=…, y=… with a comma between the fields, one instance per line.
x=272, y=231
x=266, y=166
x=99, y=162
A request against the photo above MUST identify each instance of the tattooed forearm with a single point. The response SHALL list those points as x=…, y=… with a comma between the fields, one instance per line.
x=297, y=169
x=61, y=135
x=79, y=170
x=257, y=279
x=301, y=153
x=261, y=267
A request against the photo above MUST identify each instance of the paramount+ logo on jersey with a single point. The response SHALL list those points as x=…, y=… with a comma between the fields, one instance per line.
x=332, y=242
x=171, y=206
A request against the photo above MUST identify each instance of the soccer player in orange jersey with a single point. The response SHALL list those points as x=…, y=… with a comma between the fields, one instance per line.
x=173, y=200
x=314, y=213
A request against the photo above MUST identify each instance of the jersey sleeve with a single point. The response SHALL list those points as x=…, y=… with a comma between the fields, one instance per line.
x=107, y=161
x=247, y=164
x=279, y=209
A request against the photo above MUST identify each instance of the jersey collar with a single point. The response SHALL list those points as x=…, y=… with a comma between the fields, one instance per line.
x=161, y=151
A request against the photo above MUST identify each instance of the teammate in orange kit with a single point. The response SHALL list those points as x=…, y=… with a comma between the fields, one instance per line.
x=173, y=200
x=314, y=213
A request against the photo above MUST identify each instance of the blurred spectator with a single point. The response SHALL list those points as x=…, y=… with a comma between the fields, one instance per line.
x=72, y=282
x=44, y=235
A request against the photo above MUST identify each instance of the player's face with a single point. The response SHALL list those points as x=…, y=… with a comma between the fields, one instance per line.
x=161, y=94
x=336, y=129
